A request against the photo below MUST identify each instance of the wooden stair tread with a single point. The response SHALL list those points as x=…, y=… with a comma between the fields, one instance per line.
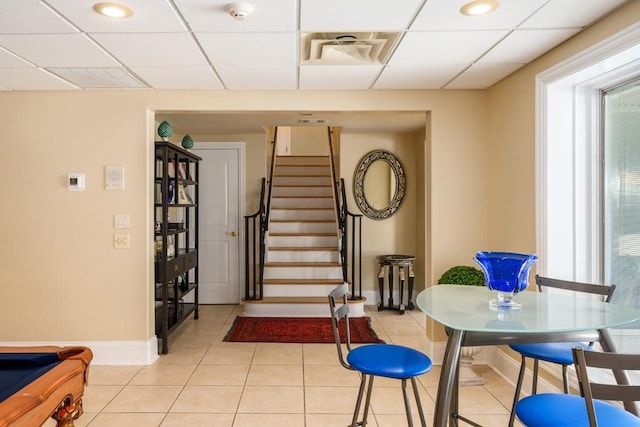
x=302, y=185
x=305, y=196
x=302, y=264
x=303, y=220
x=310, y=175
x=302, y=209
x=302, y=234
x=296, y=300
x=303, y=281
x=302, y=249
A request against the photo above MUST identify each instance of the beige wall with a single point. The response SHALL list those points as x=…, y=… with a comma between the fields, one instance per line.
x=68, y=282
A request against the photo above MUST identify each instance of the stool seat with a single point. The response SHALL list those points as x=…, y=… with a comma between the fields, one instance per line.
x=554, y=352
x=568, y=410
x=389, y=360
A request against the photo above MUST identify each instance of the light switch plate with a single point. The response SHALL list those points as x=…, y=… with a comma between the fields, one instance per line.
x=121, y=241
x=121, y=220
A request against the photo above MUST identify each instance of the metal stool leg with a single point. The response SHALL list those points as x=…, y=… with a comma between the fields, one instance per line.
x=381, y=287
x=356, y=411
x=407, y=405
x=414, y=383
x=516, y=397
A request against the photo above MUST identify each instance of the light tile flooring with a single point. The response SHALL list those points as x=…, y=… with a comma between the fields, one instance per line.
x=204, y=381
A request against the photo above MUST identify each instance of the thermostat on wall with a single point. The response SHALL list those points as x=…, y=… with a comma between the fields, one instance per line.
x=75, y=182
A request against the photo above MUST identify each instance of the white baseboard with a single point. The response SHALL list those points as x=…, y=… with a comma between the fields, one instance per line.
x=109, y=352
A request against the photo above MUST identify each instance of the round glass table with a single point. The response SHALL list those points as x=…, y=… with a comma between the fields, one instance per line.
x=544, y=317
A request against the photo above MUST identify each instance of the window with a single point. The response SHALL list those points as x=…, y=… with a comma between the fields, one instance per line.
x=575, y=208
x=621, y=200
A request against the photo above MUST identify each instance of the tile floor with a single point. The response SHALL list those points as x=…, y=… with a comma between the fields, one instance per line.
x=204, y=381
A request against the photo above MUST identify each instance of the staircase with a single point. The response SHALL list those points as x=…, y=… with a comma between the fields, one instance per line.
x=302, y=262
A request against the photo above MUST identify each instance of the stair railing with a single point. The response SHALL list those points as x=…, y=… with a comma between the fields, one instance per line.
x=255, y=230
x=347, y=221
x=272, y=168
x=350, y=221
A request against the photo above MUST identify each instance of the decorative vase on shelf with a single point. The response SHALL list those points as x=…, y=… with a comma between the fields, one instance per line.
x=507, y=273
x=187, y=142
x=165, y=130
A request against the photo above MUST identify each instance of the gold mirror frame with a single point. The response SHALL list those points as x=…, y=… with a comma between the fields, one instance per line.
x=358, y=184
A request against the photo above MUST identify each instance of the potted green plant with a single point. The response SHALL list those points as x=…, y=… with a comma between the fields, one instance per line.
x=462, y=275
x=470, y=276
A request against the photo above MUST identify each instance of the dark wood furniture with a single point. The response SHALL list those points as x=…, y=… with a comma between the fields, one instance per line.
x=176, y=238
x=403, y=264
x=38, y=383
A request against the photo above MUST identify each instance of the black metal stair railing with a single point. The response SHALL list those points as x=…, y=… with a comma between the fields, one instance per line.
x=255, y=230
x=348, y=221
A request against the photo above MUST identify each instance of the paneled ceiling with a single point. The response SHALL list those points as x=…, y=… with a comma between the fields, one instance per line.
x=281, y=44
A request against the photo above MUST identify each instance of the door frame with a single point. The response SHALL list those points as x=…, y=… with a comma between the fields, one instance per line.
x=240, y=148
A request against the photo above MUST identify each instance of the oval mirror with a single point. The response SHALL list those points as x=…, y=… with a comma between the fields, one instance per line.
x=379, y=184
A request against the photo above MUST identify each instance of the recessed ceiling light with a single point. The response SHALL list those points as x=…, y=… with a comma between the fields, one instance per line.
x=479, y=7
x=113, y=10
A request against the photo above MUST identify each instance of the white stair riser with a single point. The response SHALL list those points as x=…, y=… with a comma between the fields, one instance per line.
x=302, y=191
x=302, y=256
x=302, y=272
x=302, y=160
x=302, y=227
x=297, y=290
x=301, y=214
x=303, y=241
x=297, y=310
x=301, y=180
x=303, y=170
x=301, y=202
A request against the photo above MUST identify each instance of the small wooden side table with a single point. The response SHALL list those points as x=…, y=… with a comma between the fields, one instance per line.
x=404, y=265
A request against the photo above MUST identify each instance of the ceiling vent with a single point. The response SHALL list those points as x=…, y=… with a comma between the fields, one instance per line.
x=98, y=78
x=346, y=48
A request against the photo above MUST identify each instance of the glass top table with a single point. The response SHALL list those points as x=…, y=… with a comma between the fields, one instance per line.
x=544, y=317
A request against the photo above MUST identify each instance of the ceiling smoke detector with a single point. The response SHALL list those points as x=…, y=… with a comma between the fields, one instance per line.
x=239, y=10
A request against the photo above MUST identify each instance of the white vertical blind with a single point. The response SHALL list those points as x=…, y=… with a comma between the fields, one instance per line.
x=621, y=201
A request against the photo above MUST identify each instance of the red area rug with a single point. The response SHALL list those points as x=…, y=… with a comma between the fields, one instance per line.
x=298, y=330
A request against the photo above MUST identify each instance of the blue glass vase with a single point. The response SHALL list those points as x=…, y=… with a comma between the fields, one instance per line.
x=507, y=273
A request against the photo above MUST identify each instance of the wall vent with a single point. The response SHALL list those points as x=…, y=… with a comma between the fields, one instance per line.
x=312, y=121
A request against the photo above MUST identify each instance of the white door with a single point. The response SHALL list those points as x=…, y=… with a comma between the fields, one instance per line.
x=219, y=218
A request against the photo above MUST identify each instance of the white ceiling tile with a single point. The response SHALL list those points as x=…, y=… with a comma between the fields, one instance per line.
x=444, y=47
x=570, y=13
x=537, y=42
x=210, y=16
x=371, y=15
x=445, y=15
x=57, y=50
x=258, y=77
x=31, y=79
x=338, y=77
x=8, y=60
x=148, y=16
x=235, y=49
x=152, y=49
x=482, y=75
x=432, y=76
x=179, y=77
x=30, y=17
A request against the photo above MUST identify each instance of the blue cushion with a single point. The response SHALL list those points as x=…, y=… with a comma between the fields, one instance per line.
x=388, y=360
x=569, y=410
x=555, y=352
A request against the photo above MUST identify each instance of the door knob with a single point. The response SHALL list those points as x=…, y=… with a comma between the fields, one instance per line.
x=234, y=234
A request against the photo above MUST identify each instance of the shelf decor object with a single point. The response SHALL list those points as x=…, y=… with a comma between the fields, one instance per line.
x=187, y=142
x=507, y=273
x=165, y=130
